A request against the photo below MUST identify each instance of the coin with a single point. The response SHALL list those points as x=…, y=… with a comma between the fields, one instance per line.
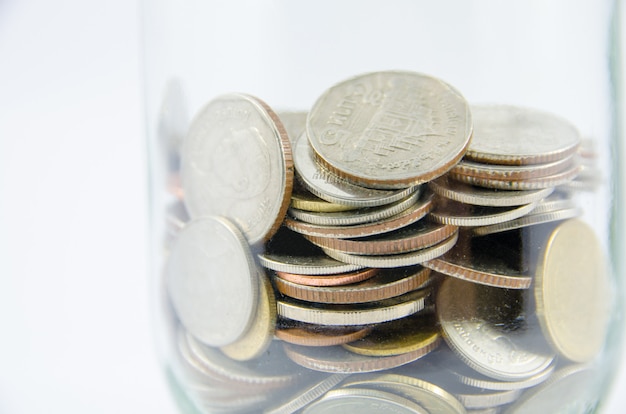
x=502, y=353
x=396, y=260
x=398, y=337
x=474, y=379
x=299, y=333
x=384, y=285
x=572, y=267
x=212, y=280
x=469, y=194
x=363, y=401
x=463, y=215
x=390, y=129
x=513, y=135
x=420, y=235
x=329, y=280
x=335, y=359
x=309, y=202
x=236, y=162
x=306, y=396
x=528, y=220
x=364, y=215
x=408, y=216
x=258, y=338
x=512, y=172
x=332, y=188
x=361, y=314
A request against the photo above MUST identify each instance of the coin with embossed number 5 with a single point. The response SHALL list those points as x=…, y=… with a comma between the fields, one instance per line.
x=390, y=129
x=236, y=162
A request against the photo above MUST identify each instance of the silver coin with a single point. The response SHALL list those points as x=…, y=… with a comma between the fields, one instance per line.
x=390, y=129
x=212, y=280
x=236, y=162
x=512, y=172
x=469, y=194
x=305, y=265
x=306, y=396
x=474, y=379
x=489, y=349
x=458, y=214
x=505, y=134
x=333, y=188
x=360, y=216
x=363, y=401
x=528, y=220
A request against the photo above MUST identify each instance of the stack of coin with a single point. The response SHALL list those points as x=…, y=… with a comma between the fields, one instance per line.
x=318, y=258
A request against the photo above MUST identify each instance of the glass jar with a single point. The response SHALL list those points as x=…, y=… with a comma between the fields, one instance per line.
x=400, y=206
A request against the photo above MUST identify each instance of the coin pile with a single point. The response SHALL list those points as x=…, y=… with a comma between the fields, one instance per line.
x=317, y=259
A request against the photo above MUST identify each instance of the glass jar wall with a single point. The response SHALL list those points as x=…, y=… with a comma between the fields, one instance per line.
x=383, y=206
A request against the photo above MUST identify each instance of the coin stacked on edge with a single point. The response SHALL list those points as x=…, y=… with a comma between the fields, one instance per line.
x=318, y=258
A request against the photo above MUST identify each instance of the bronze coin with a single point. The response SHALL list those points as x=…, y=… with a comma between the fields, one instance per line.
x=329, y=280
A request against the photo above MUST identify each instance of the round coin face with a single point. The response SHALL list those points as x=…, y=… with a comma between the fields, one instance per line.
x=390, y=129
x=212, y=281
x=514, y=135
x=236, y=162
x=573, y=269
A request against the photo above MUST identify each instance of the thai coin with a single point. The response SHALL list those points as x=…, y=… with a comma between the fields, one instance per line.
x=556, y=201
x=479, y=266
x=258, y=338
x=335, y=359
x=469, y=194
x=472, y=378
x=294, y=123
x=363, y=401
x=463, y=215
x=512, y=172
x=528, y=220
x=329, y=280
x=514, y=135
x=303, y=200
x=390, y=129
x=304, y=397
x=396, y=260
x=212, y=280
x=473, y=398
x=398, y=337
x=304, y=334
x=434, y=399
x=485, y=339
x=350, y=315
x=405, y=218
x=236, y=162
x=384, y=285
x=554, y=180
x=417, y=236
x=573, y=266
x=360, y=216
x=330, y=187
x=289, y=252
x=573, y=389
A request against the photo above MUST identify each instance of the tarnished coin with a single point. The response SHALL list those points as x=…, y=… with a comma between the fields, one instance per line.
x=405, y=218
x=398, y=337
x=390, y=129
x=336, y=359
x=306, y=334
x=396, y=260
x=330, y=187
x=361, y=314
x=329, y=280
x=463, y=215
x=363, y=401
x=258, y=338
x=513, y=135
x=349, y=218
x=212, y=280
x=384, y=285
x=512, y=172
x=500, y=346
x=420, y=235
x=573, y=266
x=304, y=397
x=469, y=194
x=236, y=162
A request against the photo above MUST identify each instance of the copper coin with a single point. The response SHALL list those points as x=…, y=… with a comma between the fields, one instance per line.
x=329, y=280
x=306, y=334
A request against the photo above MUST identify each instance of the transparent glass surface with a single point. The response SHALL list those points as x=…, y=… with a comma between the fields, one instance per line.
x=401, y=206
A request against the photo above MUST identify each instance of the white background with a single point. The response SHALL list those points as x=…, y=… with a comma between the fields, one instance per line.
x=75, y=329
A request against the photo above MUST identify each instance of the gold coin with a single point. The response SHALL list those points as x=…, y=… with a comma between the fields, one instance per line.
x=398, y=337
x=259, y=336
x=310, y=202
x=306, y=334
x=329, y=280
x=572, y=268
